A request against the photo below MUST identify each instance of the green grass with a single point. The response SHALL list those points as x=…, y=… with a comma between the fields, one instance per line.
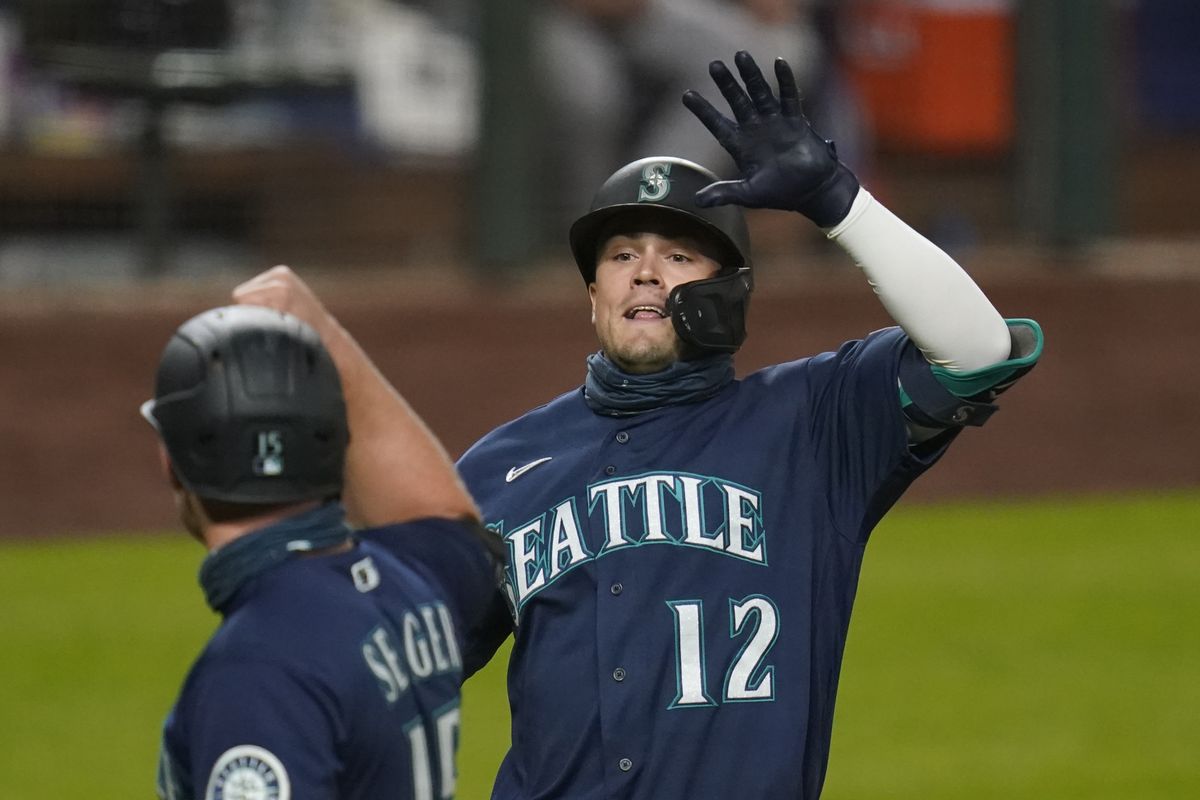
x=1047, y=650
x=1035, y=650
x=96, y=637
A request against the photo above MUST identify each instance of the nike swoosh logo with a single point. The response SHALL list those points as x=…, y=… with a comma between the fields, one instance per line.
x=517, y=472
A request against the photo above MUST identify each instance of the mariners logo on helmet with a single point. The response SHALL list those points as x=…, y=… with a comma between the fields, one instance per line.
x=656, y=182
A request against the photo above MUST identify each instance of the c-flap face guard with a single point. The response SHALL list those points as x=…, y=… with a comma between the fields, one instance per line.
x=711, y=314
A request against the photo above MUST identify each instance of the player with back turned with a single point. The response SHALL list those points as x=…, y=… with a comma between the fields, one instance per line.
x=336, y=670
x=684, y=545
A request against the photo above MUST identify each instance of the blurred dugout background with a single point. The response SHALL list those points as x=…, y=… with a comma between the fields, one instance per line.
x=412, y=161
x=156, y=138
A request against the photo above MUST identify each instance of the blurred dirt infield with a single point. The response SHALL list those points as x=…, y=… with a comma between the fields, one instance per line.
x=1114, y=405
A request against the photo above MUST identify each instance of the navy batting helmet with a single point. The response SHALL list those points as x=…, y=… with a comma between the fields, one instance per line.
x=250, y=408
x=709, y=314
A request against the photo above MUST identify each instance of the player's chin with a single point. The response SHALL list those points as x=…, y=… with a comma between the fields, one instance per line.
x=643, y=354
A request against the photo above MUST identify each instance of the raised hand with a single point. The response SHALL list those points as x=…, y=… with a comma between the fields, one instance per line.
x=784, y=163
x=282, y=289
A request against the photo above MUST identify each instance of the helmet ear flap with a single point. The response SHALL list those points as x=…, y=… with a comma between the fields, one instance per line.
x=711, y=314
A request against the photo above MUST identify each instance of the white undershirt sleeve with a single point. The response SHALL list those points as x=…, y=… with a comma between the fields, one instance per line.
x=926, y=292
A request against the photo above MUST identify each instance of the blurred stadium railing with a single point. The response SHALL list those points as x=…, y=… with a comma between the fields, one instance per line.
x=173, y=137
x=158, y=136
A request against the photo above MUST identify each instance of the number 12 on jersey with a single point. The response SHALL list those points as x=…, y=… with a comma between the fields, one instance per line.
x=747, y=679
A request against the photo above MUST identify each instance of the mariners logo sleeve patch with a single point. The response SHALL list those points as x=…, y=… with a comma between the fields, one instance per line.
x=248, y=772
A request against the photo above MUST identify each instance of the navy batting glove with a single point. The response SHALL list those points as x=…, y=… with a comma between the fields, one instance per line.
x=784, y=163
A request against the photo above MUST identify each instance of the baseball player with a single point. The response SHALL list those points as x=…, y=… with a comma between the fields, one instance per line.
x=684, y=546
x=335, y=672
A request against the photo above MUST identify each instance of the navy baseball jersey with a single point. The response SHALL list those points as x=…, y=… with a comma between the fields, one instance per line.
x=681, y=579
x=335, y=675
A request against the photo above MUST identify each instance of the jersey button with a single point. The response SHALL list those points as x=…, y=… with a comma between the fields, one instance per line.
x=610, y=470
x=618, y=674
x=623, y=437
x=625, y=764
x=616, y=588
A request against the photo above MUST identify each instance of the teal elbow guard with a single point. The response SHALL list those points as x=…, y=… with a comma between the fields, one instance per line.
x=934, y=396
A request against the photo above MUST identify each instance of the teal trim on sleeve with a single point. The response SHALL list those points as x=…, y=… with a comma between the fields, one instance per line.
x=969, y=384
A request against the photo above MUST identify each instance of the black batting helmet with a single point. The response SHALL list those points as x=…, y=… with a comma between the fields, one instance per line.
x=250, y=408
x=709, y=314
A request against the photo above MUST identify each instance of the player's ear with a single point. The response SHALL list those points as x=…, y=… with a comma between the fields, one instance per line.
x=164, y=463
x=592, y=299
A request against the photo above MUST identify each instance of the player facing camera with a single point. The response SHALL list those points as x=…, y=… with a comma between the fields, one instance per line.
x=249, y=408
x=697, y=274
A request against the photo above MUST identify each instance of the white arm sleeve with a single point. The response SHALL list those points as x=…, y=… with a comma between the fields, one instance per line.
x=926, y=292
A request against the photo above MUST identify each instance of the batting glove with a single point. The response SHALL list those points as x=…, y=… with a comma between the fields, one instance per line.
x=784, y=163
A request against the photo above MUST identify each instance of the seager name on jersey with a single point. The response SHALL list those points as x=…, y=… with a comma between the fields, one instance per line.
x=426, y=646
x=673, y=508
